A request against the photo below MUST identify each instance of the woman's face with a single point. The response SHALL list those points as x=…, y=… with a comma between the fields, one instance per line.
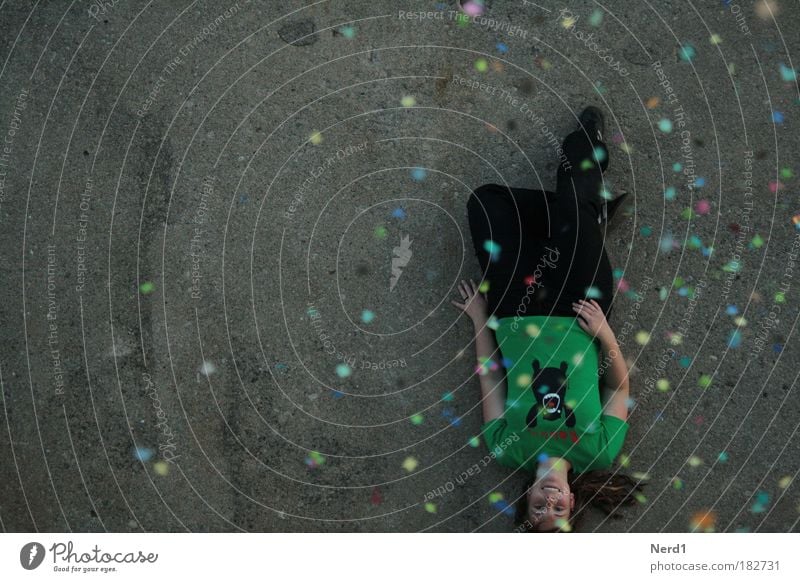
x=549, y=502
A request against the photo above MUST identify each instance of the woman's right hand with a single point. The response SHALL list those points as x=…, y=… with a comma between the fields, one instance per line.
x=592, y=319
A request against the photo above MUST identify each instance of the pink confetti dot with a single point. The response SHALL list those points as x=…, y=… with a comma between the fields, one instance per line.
x=623, y=286
x=774, y=185
x=473, y=8
x=702, y=207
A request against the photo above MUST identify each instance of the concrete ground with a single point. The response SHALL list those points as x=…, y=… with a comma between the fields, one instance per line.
x=199, y=209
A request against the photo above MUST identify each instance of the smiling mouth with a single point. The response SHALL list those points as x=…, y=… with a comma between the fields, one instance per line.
x=551, y=401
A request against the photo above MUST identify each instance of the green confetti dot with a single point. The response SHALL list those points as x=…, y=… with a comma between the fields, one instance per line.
x=380, y=232
x=343, y=370
x=367, y=316
x=481, y=65
x=587, y=164
x=786, y=173
x=495, y=497
x=687, y=52
x=757, y=242
x=663, y=384
x=596, y=18
x=447, y=396
x=677, y=167
x=348, y=31
x=416, y=419
x=780, y=297
x=147, y=287
x=646, y=231
x=430, y=507
x=722, y=457
x=475, y=442
x=704, y=381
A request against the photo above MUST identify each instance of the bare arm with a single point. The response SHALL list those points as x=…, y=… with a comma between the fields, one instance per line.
x=490, y=367
x=616, y=392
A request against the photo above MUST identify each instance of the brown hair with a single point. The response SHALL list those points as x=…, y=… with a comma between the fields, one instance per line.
x=605, y=490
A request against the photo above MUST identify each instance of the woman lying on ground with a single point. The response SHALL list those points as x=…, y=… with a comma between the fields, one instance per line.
x=550, y=288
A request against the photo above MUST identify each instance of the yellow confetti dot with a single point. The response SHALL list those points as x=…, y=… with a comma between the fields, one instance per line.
x=639, y=476
x=532, y=330
x=784, y=482
x=642, y=338
x=484, y=288
x=410, y=464
x=676, y=339
x=663, y=384
x=316, y=138
x=563, y=525
x=625, y=147
x=624, y=460
x=715, y=39
x=694, y=461
x=740, y=321
x=161, y=468
x=572, y=404
x=640, y=498
x=524, y=379
x=568, y=22
x=408, y=101
x=577, y=359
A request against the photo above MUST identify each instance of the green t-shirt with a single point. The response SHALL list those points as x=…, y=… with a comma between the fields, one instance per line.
x=553, y=404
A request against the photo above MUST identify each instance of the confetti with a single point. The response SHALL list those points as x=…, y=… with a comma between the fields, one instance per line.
x=685, y=361
x=642, y=337
x=694, y=461
x=646, y=231
x=495, y=497
x=316, y=138
x=430, y=507
x=665, y=125
x=723, y=457
x=347, y=31
x=493, y=249
x=481, y=65
x=161, y=468
x=715, y=39
x=143, y=454
x=367, y=316
x=447, y=397
x=596, y=18
x=343, y=370
x=501, y=47
x=653, y=102
x=408, y=101
x=663, y=385
x=784, y=482
x=735, y=339
x=677, y=483
x=704, y=381
x=208, y=368
x=787, y=74
x=704, y=521
x=380, y=232
x=416, y=419
x=472, y=7
x=702, y=207
x=315, y=459
x=670, y=193
x=624, y=460
x=418, y=174
x=475, y=442
x=777, y=117
x=146, y=288
x=410, y=464
x=376, y=498
x=687, y=52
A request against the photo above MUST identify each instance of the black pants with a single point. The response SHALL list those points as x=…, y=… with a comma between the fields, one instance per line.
x=539, y=250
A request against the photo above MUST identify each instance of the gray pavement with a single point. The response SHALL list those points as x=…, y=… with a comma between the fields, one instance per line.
x=199, y=212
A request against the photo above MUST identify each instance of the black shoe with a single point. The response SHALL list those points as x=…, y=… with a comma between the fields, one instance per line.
x=610, y=208
x=593, y=121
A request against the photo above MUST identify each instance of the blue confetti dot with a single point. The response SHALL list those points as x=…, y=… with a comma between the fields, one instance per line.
x=735, y=339
x=502, y=48
x=777, y=117
x=399, y=213
x=700, y=182
x=542, y=457
x=143, y=454
x=418, y=174
x=731, y=310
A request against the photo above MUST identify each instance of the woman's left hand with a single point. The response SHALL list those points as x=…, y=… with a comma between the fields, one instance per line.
x=474, y=305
